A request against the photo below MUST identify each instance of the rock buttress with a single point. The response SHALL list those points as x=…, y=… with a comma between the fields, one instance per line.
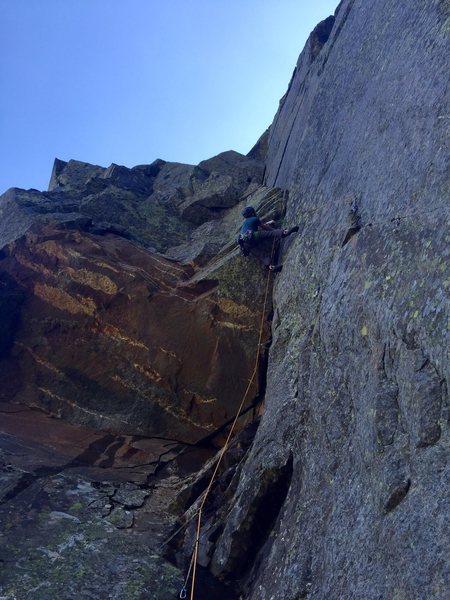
x=357, y=394
x=128, y=306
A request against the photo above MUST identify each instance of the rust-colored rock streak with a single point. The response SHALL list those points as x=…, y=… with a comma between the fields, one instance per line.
x=114, y=336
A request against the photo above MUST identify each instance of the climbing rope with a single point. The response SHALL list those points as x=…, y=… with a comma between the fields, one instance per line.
x=183, y=591
x=193, y=565
x=199, y=512
x=177, y=531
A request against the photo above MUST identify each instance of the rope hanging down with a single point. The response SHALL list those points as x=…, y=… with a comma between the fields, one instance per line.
x=193, y=564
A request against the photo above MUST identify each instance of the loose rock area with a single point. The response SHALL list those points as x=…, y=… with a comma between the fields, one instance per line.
x=84, y=514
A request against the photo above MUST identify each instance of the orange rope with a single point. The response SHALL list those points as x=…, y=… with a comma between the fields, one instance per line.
x=213, y=476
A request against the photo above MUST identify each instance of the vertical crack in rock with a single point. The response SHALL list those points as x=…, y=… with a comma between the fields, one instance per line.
x=253, y=522
x=341, y=20
x=265, y=510
x=316, y=42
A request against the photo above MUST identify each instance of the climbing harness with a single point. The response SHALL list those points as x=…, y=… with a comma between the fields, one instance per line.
x=193, y=564
x=245, y=241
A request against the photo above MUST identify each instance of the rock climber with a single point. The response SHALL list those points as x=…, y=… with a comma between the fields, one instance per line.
x=254, y=232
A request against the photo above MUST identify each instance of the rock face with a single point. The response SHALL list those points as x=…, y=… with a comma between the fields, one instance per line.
x=80, y=510
x=129, y=310
x=343, y=493
x=128, y=307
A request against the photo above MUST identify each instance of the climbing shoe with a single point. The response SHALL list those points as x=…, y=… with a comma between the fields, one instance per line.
x=275, y=268
x=287, y=232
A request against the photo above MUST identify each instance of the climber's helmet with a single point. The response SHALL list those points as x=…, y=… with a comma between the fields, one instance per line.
x=248, y=212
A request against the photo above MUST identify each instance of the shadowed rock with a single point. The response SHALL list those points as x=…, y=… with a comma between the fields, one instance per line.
x=111, y=332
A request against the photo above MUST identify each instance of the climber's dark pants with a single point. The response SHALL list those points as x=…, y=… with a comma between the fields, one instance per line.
x=264, y=247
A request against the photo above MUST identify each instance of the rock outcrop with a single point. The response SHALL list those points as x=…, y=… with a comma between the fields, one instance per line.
x=84, y=512
x=343, y=493
x=129, y=308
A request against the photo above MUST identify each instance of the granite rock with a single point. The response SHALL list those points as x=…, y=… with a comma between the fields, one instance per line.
x=107, y=286
x=343, y=493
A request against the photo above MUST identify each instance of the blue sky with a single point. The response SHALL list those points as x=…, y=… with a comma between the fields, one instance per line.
x=129, y=81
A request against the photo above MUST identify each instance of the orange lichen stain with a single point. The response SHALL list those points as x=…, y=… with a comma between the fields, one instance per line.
x=230, y=325
x=149, y=373
x=73, y=253
x=40, y=360
x=64, y=301
x=117, y=335
x=168, y=352
x=233, y=309
x=125, y=269
x=88, y=303
x=36, y=267
x=52, y=248
x=96, y=281
x=79, y=238
x=104, y=265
